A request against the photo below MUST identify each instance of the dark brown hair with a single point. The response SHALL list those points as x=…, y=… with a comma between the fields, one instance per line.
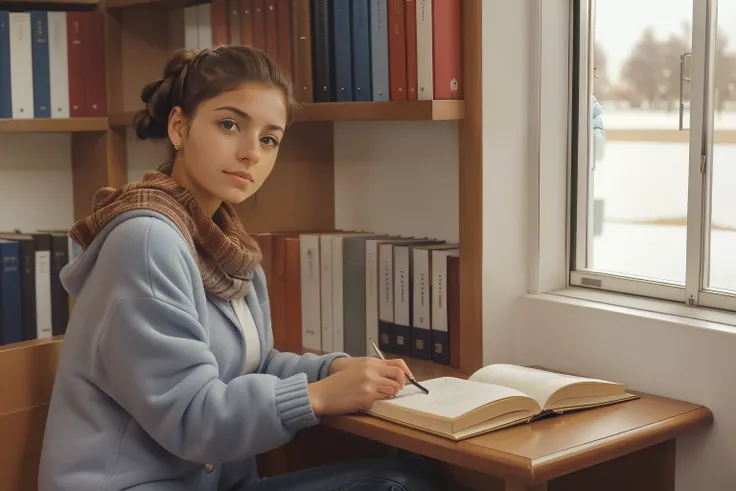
x=191, y=78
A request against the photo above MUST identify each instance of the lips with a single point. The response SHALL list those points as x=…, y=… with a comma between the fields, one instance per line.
x=241, y=174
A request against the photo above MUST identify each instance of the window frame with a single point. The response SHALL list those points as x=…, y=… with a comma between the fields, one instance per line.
x=694, y=291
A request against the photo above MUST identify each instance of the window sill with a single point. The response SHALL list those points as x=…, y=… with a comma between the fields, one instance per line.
x=677, y=313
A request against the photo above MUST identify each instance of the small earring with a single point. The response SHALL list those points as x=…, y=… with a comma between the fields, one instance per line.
x=177, y=146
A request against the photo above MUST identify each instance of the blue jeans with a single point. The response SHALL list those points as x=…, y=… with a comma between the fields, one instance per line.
x=389, y=474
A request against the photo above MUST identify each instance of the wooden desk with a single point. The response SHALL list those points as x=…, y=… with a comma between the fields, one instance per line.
x=628, y=446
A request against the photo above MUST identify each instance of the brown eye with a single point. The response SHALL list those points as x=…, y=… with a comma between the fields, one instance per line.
x=271, y=141
x=228, y=124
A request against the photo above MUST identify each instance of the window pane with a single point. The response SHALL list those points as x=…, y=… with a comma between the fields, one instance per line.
x=722, y=249
x=639, y=166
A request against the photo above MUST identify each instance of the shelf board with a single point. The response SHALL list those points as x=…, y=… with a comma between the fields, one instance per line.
x=382, y=111
x=358, y=111
x=154, y=4
x=54, y=2
x=50, y=125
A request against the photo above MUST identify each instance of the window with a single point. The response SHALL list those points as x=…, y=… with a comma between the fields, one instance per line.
x=654, y=149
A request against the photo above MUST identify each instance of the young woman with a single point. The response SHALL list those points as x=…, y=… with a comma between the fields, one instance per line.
x=168, y=379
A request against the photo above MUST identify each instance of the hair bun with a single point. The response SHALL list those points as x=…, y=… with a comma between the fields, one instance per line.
x=161, y=96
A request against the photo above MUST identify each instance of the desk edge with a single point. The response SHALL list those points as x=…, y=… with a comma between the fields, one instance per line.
x=460, y=454
x=548, y=467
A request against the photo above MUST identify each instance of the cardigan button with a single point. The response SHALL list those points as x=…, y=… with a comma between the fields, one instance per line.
x=209, y=467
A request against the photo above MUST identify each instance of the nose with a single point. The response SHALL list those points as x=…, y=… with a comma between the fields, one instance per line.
x=250, y=149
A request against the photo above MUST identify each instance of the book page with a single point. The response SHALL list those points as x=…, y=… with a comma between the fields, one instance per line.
x=538, y=384
x=449, y=397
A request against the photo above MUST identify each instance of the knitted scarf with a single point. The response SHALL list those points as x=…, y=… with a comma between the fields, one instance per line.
x=226, y=255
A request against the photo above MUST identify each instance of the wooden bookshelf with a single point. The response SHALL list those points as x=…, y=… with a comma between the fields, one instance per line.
x=357, y=111
x=99, y=145
x=48, y=125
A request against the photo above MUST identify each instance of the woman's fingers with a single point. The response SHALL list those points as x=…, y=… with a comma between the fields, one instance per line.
x=394, y=373
x=401, y=364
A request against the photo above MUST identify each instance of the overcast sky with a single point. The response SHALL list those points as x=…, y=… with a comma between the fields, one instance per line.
x=619, y=24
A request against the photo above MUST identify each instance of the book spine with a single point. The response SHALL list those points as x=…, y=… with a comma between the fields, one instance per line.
x=372, y=282
x=386, y=331
x=59, y=296
x=379, y=50
x=28, y=288
x=293, y=293
x=77, y=63
x=422, y=305
x=43, y=289
x=447, y=63
x=21, y=66
x=259, y=25
x=453, y=310
x=361, y=55
x=234, y=22
x=95, y=94
x=11, y=328
x=310, y=292
x=302, y=38
x=425, y=77
x=220, y=23
x=246, y=22
x=277, y=299
x=40, y=63
x=285, y=41
x=6, y=96
x=191, y=27
x=354, y=297
x=402, y=301
x=338, y=325
x=204, y=25
x=272, y=33
x=410, y=12
x=342, y=50
x=439, y=333
x=58, y=64
x=397, y=50
x=322, y=59
x=325, y=283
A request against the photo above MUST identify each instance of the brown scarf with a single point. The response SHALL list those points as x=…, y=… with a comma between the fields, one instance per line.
x=226, y=255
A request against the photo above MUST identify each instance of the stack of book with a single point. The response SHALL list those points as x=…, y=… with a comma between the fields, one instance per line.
x=344, y=50
x=52, y=64
x=333, y=291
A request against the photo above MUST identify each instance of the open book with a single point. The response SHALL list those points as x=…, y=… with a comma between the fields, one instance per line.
x=496, y=396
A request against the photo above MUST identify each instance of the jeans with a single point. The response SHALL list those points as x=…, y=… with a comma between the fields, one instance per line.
x=389, y=474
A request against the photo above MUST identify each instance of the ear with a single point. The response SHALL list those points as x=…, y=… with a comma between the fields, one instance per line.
x=177, y=125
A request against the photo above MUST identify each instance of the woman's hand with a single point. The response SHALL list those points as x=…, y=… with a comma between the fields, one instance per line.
x=354, y=383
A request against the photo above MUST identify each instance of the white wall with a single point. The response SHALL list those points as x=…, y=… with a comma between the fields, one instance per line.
x=661, y=354
x=35, y=182
x=398, y=178
x=506, y=153
x=652, y=353
x=144, y=155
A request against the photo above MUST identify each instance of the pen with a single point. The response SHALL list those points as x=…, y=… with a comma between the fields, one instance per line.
x=408, y=378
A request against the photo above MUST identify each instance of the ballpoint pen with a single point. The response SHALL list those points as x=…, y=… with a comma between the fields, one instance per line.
x=408, y=378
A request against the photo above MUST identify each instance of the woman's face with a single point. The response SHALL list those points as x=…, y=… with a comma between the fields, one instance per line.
x=229, y=147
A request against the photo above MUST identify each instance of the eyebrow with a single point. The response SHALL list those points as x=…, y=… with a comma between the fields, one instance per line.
x=245, y=115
